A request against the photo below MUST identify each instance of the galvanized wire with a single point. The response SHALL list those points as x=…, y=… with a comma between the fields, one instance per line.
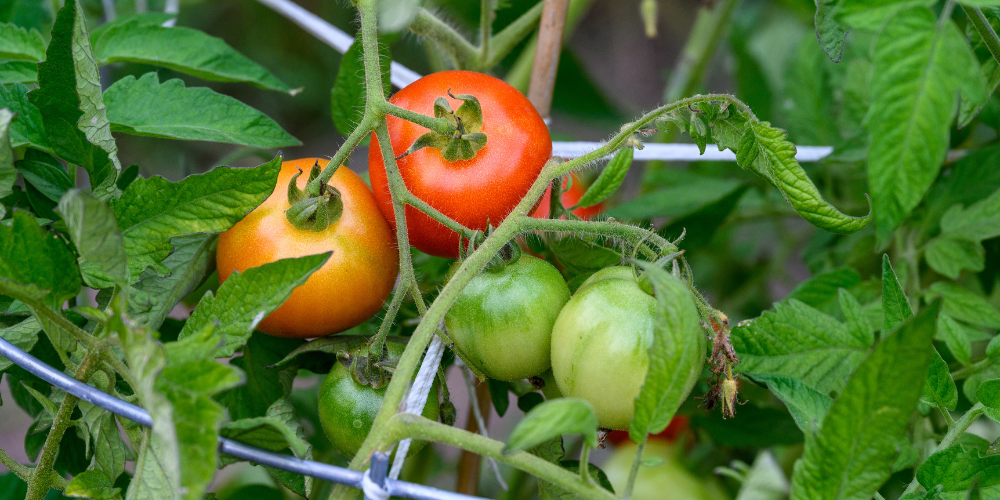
x=253, y=454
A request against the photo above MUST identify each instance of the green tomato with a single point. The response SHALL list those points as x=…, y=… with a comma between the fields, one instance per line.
x=600, y=343
x=347, y=409
x=502, y=321
x=667, y=481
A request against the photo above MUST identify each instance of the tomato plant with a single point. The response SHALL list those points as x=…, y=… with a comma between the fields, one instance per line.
x=502, y=322
x=474, y=192
x=352, y=284
x=806, y=268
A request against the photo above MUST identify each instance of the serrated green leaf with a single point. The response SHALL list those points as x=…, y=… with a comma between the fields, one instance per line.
x=955, y=338
x=143, y=39
x=609, y=180
x=245, y=299
x=172, y=111
x=71, y=104
x=895, y=308
x=988, y=393
x=152, y=211
x=823, y=289
x=799, y=342
x=48, y=177
x=776, y=162
x=970, y=108
x=551, y=419
x=940, y=388
x=23, y=335
x=853, y=452
x=18, y=72
x=829, y=32
x=957, y=468
x=979, y=221
x=27, y=129
x=278, y=430
x=348, y=95
x=35, y=263
x=190, y=262
x=919, y=65
x=20, y=44
x=92, y=484
x=806, y=405
x=871, y=14
x=676, y=355
x=950, y=254
x=964, y=305
x=94, y=231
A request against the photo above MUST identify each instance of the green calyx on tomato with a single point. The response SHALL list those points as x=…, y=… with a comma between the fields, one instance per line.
x=467, y=139
x=501, y=324
x=347, y=409
x=367, y=369
x=600, y=344
x=315, y=207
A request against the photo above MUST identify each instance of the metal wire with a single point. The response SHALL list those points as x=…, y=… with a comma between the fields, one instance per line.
x=136, y=414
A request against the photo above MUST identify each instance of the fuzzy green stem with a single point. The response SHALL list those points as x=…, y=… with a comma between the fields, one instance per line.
x=451, y=41
x=439, y=125
x=436, y=214
x=22, y=471
x=503, y=42
x=390, y=315
x=634, y=472
x=364, y=128
x=982, y=25
x=599, y=228
x=43, y=475
x=485, y=28
x=406, y=425
x=585, y=465
x=956, y=431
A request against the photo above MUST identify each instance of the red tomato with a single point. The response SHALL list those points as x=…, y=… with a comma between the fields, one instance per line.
x=473, y=192
x=353, y=283
x=569, y=198
x=678, y=426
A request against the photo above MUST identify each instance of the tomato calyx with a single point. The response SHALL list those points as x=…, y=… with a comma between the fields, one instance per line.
x=466, y=140
x=507, y=254
x=315, y=207
x=366, y=369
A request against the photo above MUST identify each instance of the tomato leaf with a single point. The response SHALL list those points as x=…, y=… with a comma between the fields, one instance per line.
x=246, y=298
x=34, y=264
x=919, y=66
x=7, y=173
x=170, y=110
x=152, y=211
x=955, y=338
x=23, y=335
x=190, y=262
x=951, y=254
x=853, y=452
x=91, y=484
x=799, y=342
x=551, y=419
x=609, y=180
x=348, y=96
x=964, y=305
x=71, y=104
x=27, y=129
x=20, y=44
x=143, y=39
x=265, y=384
x=958, y=468
x=829, y=32
x=806, y=405
x=278, y=430
x=94, y=231
x=676, y=356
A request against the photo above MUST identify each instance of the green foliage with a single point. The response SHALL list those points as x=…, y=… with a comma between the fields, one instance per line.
x=553, y=419
x=348, y=93
x=19, y=43
x=170, y=110
x=609, y=180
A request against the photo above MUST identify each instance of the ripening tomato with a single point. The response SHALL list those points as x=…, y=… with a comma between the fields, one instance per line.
x=600, y=343
x=475, y=192
x=503, y=319
x=353, y=283
x=569, y=198
x=677, y=428
x=347, y=409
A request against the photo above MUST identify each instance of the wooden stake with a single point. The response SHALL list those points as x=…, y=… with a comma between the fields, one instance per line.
x=469, y=465
x=543, y=71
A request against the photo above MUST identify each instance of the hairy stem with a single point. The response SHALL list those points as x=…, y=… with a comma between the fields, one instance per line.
x=406, y=425
x=22, y=471
x=364, y=128
x=599, y=228
x=485, y=28
x=439, y=125
x=451, y=41
x=982, y=25
x=43, y=475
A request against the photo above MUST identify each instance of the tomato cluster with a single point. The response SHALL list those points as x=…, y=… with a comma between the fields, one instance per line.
x=515, y=320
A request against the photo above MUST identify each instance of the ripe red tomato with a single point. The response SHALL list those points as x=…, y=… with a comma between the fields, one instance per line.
x=473, y=192
x=678, y=427
x=353, y=283
x=569, y=198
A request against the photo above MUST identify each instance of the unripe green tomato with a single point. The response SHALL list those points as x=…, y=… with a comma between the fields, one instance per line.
x=667, y=481
x=502, y=321
x=600, y=343
x=347, y=409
